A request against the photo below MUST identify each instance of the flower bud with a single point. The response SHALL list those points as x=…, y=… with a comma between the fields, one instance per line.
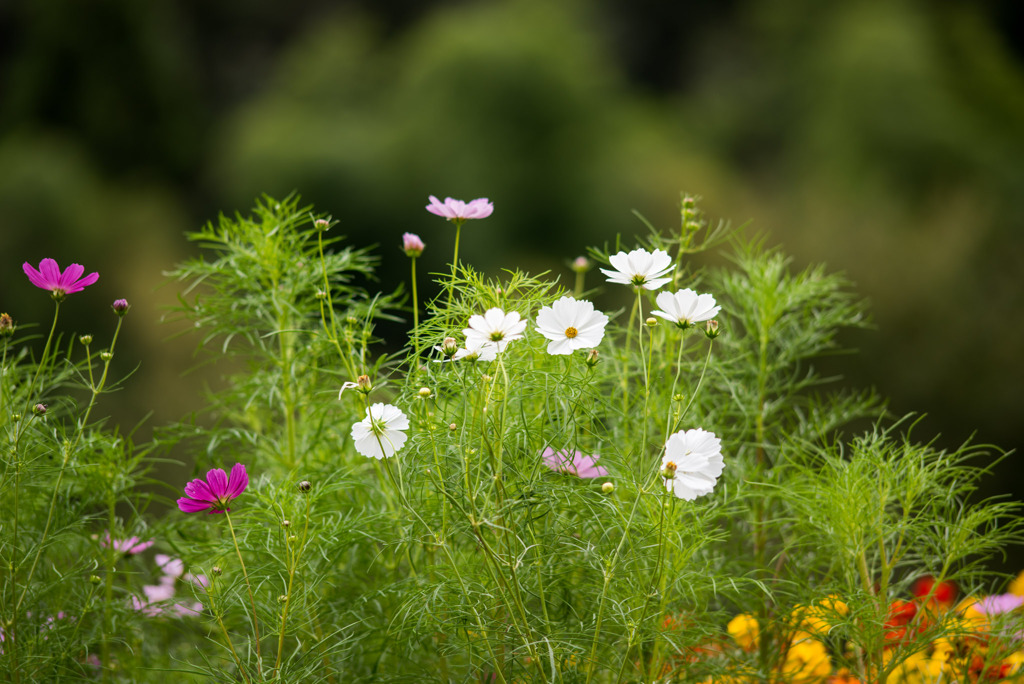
x=651, y=322
x=322, y=225
x=6, y=325
x=412, y=245
x=608, y=488
x=581, y=264
x=363, y=384
x=39, y=409
x=449, y=346
x=453, y=427
x=424, y=392
x=711, y=330
x=321, y=295
x=286, y=523
x=292, y=539
x=591, y=358
x=86, y=340
x=305, y=486
x=351, y=321
x=106, y=356
x=282, y=598
x=120, y=307
x=669, y=470
x=216, y=571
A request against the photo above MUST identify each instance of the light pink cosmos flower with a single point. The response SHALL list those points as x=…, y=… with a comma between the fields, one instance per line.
x=216, y=493
x=574, y=463
x=49, y=277
x=457, y=210
x=412, y=244
x=130, y=546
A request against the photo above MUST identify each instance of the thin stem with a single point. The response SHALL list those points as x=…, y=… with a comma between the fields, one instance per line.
x=415, y=322
x=248, y=585
x=293, y=555
x=224, y=630
x=455, y=262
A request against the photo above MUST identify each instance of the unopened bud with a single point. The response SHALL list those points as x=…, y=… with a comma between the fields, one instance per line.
x=591, y=358
x=39, y=409
x=651, y=322
x=711, y=330
x=282, y=598
x=6, y=325
x=292, y=539
x=120, y=306
x=351, y=321
x=668, y=471
x=581, y=264
x=305, y=486
x=94, y=579
x=449, y=346
x=412, y=245
x=216, y=571
x=86, y=340
x=322, y=225
x=608, y=488
x=286, y=523
x=106, y=356
x=453, y=427
x=363, y=384
x=321, y=295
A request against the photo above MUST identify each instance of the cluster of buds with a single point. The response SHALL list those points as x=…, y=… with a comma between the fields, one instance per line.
x=6, y=325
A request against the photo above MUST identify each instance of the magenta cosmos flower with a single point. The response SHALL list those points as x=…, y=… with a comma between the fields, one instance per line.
x=457, y=210
x=49, y=277
x=574, y=463
x=216, y=493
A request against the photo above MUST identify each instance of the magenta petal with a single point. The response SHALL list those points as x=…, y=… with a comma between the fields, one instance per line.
x=217, y=479
x=70, y=275
x=51, y=273
x=192, y=506
x=34, y=276
x=85, y=282
x=197, y=489
x=238, y=481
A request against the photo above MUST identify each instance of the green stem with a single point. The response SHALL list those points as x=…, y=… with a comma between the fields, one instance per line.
x=248, y=586
x=293, y=557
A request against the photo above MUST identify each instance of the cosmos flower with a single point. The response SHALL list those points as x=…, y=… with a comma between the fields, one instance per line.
x=571, y=325
x=574, y=463
x=639, y=268
x=692, y=463
x=496, y=327
x=49, y=277
x=686, y=307
x=381, y=433
x=129, y=546
x=216, y=493
x=457, y=210
x=999, y=604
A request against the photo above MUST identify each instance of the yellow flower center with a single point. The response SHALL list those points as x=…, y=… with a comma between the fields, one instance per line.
x=571, y=332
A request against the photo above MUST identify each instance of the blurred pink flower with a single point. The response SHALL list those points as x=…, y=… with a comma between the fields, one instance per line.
x=49, y=277
x=216, y=493
x=170, y=566
x=453, y=209
x=999, y=604
x=412, y=244
x=575, y=463
x=130, y=546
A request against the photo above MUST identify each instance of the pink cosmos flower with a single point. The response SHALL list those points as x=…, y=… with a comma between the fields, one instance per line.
x=49, y=277
x=457, y=210
x=999, y=604
x=575, y=463
x=214, y=494
x=130, y=546
x=412, y=244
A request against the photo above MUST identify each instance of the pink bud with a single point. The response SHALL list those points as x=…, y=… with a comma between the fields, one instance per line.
x=412, y=245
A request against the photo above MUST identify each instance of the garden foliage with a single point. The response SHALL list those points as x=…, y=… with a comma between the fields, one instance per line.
x=634, y=479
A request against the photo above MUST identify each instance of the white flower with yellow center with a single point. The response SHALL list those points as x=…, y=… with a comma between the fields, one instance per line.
x=692, y=463
x=640, y=268
x=686, y=307
x=380, y=434
x=571, y=325
x=496, y=327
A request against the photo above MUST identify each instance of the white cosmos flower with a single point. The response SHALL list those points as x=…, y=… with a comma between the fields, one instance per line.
x=496, y=327
x=571, y=325
x=380, y=434
x=640, y=268
x=686, y=307
x=696, y=458
x=476, y=351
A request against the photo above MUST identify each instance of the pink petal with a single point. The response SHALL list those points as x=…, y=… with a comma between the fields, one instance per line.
x=70, y=275
x=51, y=272
x=238, y=481
x=197, y=489
x=193, y=506
x=217, y=479
x=83, y=283
x=34, y=276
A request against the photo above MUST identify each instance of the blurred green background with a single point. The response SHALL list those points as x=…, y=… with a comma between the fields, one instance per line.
x=883, y=138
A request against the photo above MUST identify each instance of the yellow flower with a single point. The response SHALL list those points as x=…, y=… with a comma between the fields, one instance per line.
x=1017, y=585
x=743, y=628
x=807, y=661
